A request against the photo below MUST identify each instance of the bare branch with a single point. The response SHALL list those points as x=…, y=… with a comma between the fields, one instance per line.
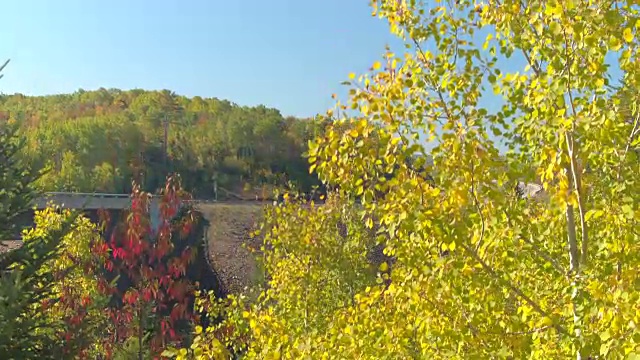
x=574, y=256
x=3, y=66
x=634, y=131
x=478, y=208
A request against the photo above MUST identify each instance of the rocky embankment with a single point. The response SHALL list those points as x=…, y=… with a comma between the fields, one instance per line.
x=230, y=229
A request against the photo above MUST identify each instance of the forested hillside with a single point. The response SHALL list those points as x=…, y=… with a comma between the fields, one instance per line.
x=101, y=140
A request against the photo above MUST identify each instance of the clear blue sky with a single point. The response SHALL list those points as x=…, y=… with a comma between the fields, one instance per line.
x=288, y=54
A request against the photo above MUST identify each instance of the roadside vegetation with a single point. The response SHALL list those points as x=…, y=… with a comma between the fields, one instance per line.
x=413, y=254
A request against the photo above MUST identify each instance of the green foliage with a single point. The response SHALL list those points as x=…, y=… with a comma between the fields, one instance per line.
x=100, y=140
x=16, y=181
x=317, y=259
x=26, y=331
x=130, y=349
x=74, y=258
x=221, y=340
x=478, y=273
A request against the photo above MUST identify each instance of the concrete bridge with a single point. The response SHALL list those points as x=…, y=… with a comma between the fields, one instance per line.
x=106, y=201
x=93, y=201
x=97, y=201
x=88, y=201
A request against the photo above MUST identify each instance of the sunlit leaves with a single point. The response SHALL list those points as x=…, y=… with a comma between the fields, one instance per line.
x=77, y=298
x=627, y=35
x=471, y=268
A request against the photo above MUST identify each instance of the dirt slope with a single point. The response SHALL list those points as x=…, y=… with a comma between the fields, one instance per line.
x=230, y=227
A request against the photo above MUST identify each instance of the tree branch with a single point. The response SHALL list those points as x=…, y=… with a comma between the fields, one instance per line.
x=574, y=256
x=634, y=131
x=512, y=287
x=478, y=208
x=574, y=166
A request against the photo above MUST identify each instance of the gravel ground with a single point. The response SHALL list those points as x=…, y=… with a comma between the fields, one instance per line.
x=9, y=245
x=230, y=228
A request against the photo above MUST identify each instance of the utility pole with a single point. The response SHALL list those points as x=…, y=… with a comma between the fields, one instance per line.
x=174, y=109
x=215, y=186
x=166, y=144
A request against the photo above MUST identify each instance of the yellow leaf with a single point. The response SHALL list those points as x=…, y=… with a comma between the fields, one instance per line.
x=376, y=65
x=369, y=223
x=627, y=34
x=384, y=266
x=486, y=42
x=554, y=10
x=614, y=43
x=352, y=76
x=467, y=270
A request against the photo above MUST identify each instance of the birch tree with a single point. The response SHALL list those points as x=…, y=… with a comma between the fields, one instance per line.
x=479, y=273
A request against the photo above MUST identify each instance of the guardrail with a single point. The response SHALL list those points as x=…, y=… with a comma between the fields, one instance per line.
x=113, y=201
x=127, y=196
x=79, y=194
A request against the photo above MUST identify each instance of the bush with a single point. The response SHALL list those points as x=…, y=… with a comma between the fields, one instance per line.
x=78, y=296
x=28, y=283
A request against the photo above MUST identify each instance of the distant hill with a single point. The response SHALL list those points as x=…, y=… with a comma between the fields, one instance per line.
x=100, y=140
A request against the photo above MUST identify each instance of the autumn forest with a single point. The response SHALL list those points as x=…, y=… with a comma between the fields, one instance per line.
x=98, y=141
x=422, y=246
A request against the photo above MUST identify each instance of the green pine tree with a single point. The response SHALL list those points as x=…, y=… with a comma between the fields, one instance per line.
x=23, y=281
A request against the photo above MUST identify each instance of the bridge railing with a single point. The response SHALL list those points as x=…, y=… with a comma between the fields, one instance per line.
x=79, y=196
x=105, y=200
x=115, y=196
x=94, y=195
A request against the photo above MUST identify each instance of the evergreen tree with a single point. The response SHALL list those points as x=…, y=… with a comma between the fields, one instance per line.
x=25, y=330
